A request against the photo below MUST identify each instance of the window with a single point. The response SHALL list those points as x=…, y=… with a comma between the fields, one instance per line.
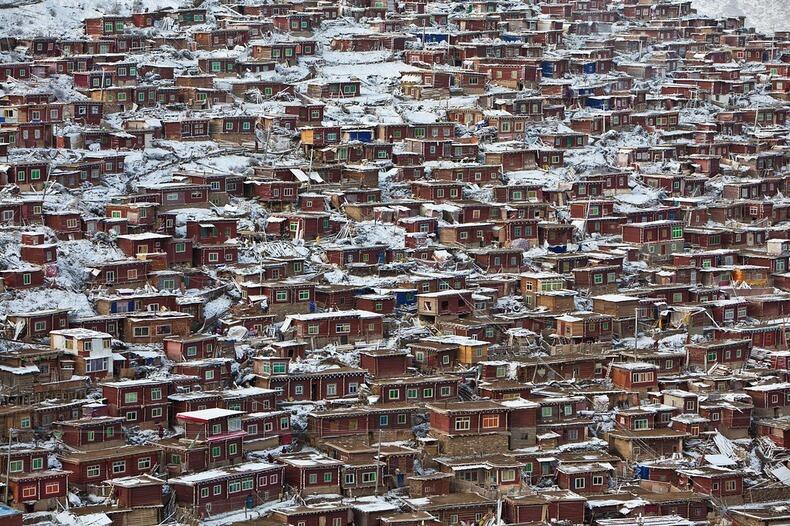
x=369, y=477
x=216, y=451
x=490, y=421
x=507, y=475
x=578, y=483
x=234, y=487
x=331, y=389
x=349, y=479
x=119, y=466
x=328, y=476
x=597, y=480
x=463, y=423
x=156, y=393
x=203, y=492
x=37, y=463
x=313, y=478
x=247, y=484
x=233, y=449
x=546, y=412
x=394, y=394
x=52, y=488
x=17, y=466
x=642, y=377
x=93, y=471
x=384, y=420
x=29, y=492
x=217, y=490
x=130, y=398
x=131, y=416
x=144, y=463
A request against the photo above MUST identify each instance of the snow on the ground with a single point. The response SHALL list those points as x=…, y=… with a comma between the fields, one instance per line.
x=64, y=17
x=44, y=299
x=764, y=15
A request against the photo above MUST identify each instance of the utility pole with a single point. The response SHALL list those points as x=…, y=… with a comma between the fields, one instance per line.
x=11, y=432
x=378, y=457
x=636, y=328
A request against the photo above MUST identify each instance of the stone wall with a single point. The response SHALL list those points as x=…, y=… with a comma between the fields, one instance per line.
x=472, y=445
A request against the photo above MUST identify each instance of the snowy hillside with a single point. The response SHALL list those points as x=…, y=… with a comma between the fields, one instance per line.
x=64, y=17
x=764, y=15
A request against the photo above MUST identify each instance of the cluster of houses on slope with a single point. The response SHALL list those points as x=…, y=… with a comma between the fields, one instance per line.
x=537, y=275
